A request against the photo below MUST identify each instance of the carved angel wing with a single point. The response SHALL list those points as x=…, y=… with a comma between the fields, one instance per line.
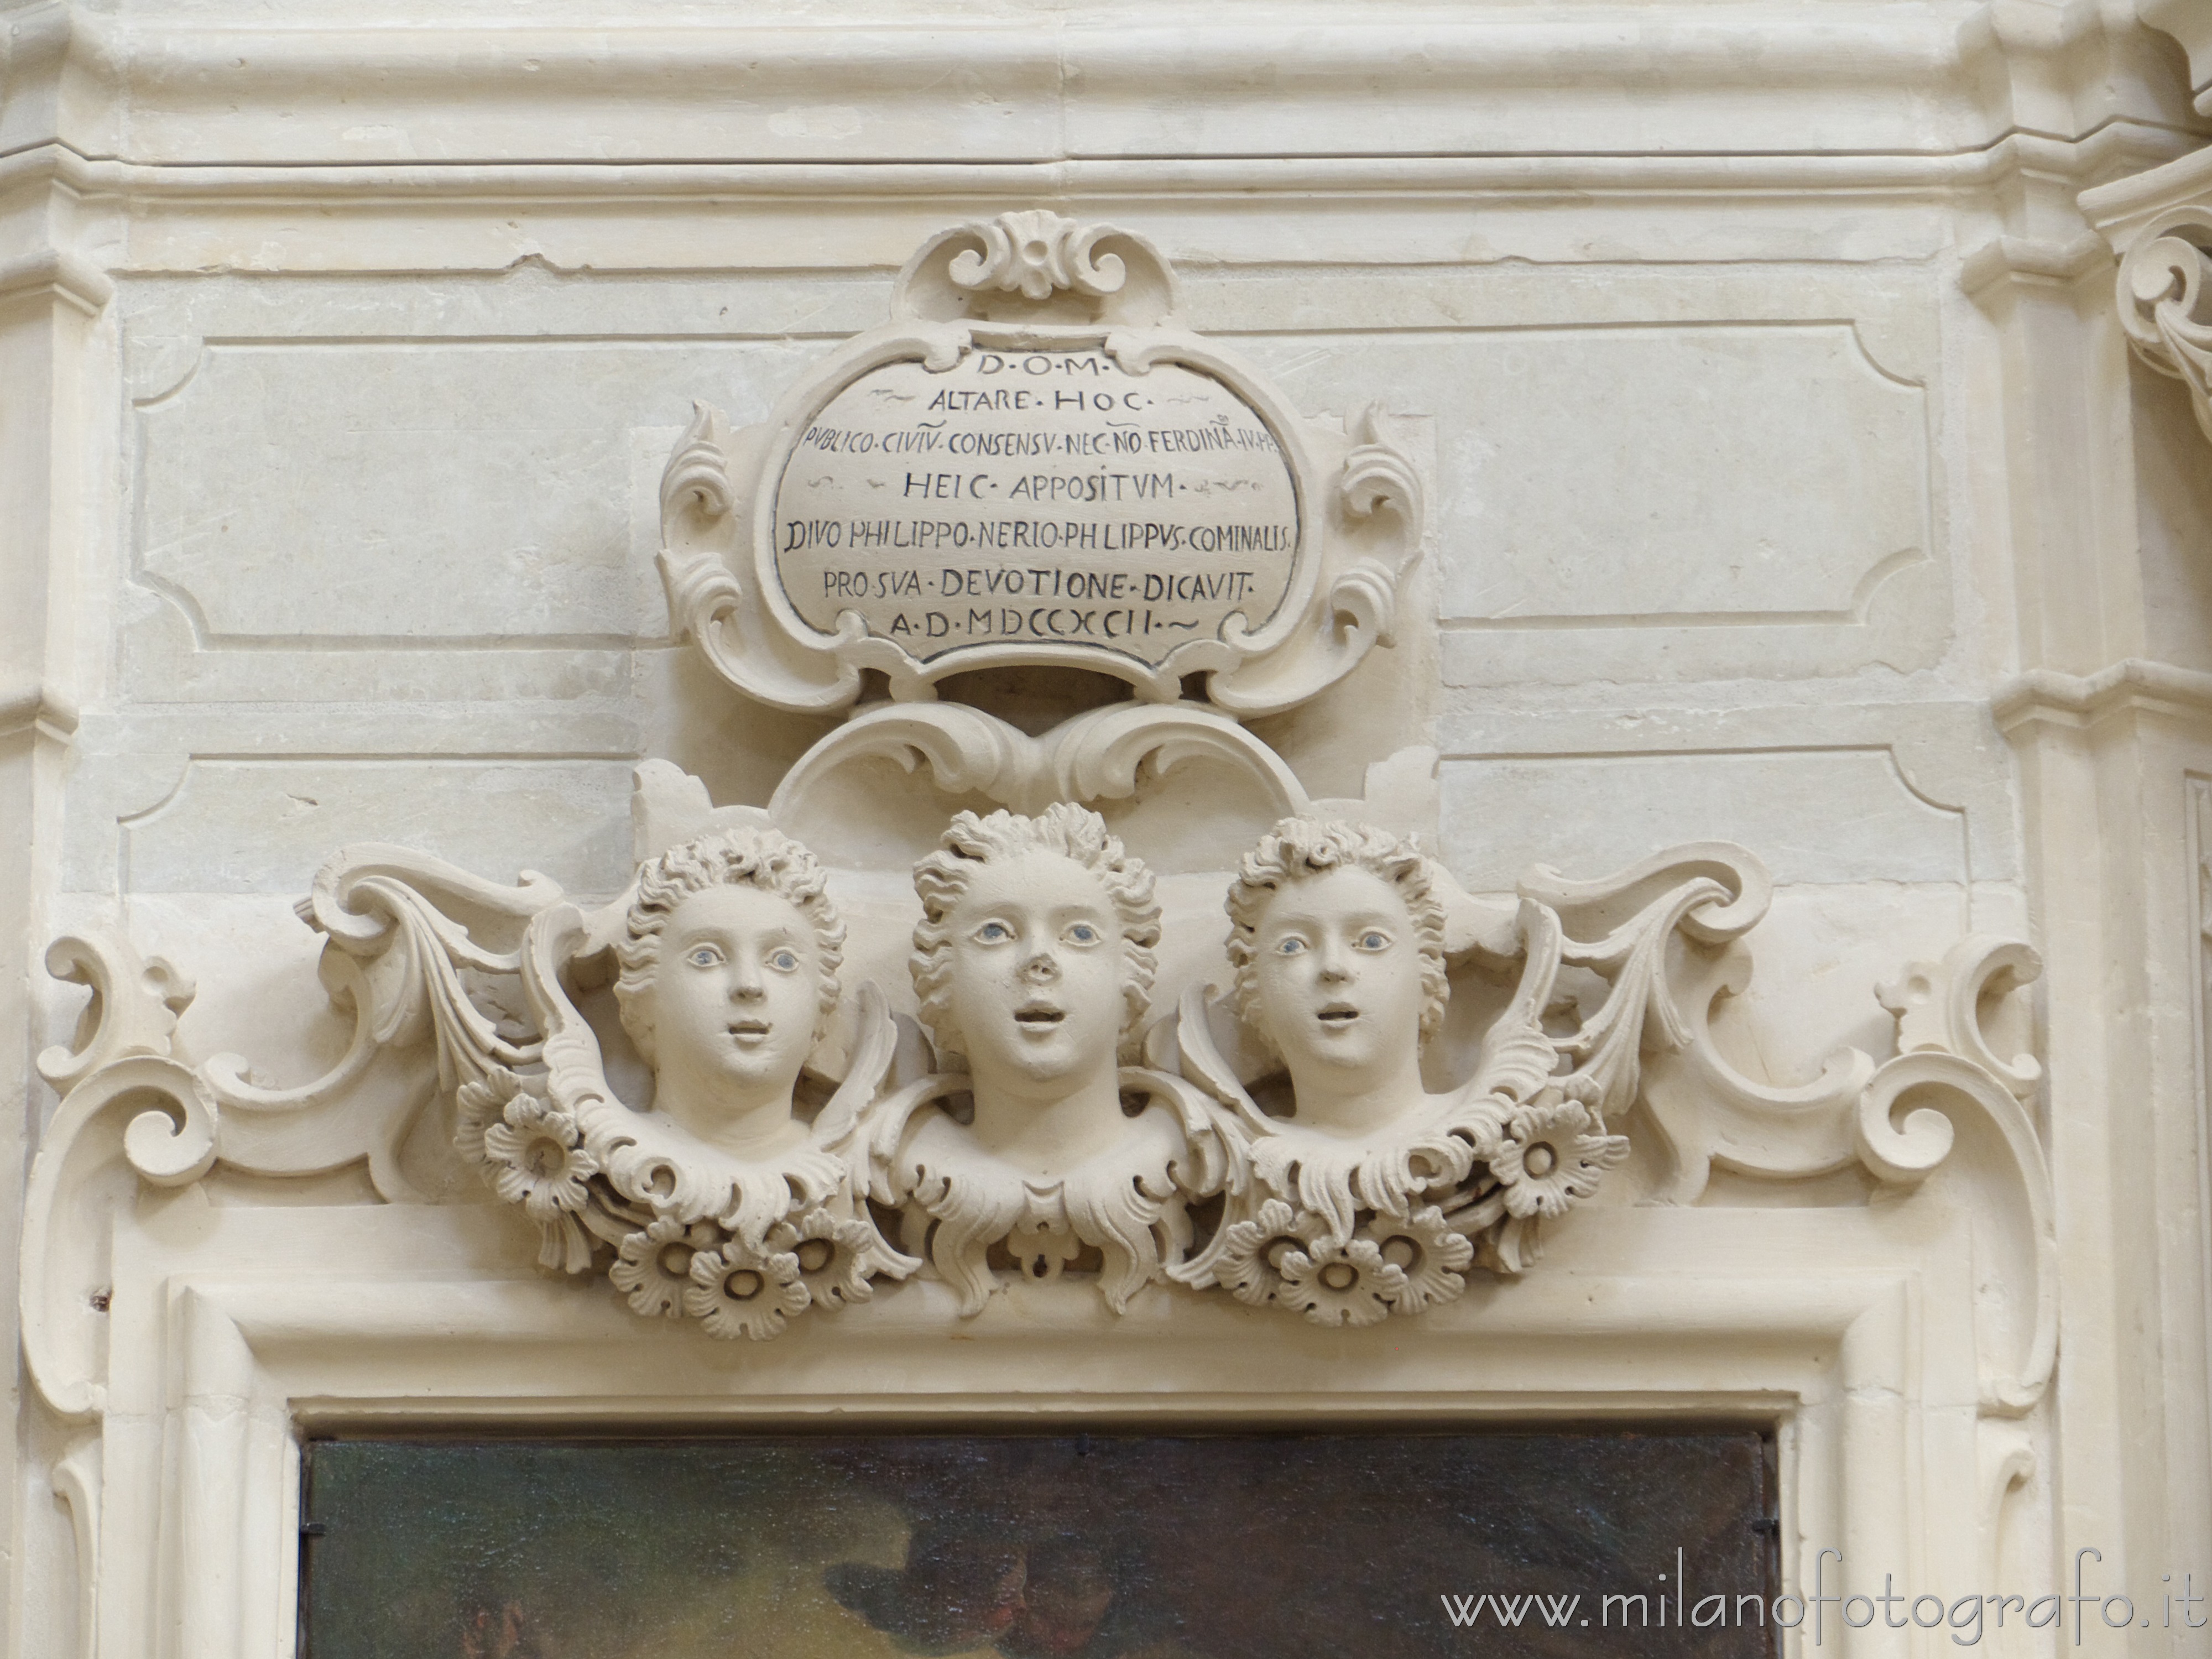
x=1517, y=1057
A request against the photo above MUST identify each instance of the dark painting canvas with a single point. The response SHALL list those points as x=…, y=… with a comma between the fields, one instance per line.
x=1093, y=1546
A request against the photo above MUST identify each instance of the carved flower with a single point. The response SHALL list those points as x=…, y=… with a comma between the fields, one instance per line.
x=1251, y=1250
x=1553, y=1156
x=1426, y=1248
x=654, y=1269
x=477, y=1105
x=832, y=1256
x=1347, y=1284
x=538, y=1158
x=736, y=1291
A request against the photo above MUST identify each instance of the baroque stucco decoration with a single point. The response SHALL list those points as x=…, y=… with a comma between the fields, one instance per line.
x=1289, y=1061
x=1079, y=1134
x=1273, y=547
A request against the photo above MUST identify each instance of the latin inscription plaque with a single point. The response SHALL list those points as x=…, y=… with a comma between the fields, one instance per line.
x=1029, y=498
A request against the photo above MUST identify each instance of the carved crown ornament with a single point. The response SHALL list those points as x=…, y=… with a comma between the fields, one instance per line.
x=842, y=1049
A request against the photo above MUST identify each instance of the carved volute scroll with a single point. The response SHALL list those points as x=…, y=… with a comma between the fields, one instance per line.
x=2165, y=302
x=1033, y=463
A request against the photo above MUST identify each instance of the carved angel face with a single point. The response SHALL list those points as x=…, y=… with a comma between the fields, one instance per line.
x=1337, y=967
x=1035, y=985
x=735, y=1001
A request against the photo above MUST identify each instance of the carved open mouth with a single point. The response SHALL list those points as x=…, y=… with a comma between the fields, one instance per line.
x=749, y=1028
x=1338, y=1016
x=1039, y=1016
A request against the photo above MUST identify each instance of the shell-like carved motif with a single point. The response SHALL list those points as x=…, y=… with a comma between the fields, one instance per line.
x=1035, y=253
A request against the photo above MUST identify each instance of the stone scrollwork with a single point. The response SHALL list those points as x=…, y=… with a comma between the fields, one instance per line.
x=2165, y=302
x=1276, y=1139
x=1038, y=252
x=1032, y=464
x=716, y=1090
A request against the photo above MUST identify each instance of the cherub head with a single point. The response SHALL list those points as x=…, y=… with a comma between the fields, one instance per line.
x=729, y=960
x=1338, y=942
x=1034, y=956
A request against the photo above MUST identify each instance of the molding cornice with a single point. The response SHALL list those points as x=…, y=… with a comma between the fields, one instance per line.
x=879, y=85
x=2190, y=22
x=2035, y=259
x=2120, y=145
x=64, y=272
x=2047, y=695
x=46, y=709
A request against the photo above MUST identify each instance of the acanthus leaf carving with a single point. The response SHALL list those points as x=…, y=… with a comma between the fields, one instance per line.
x=1036, y=253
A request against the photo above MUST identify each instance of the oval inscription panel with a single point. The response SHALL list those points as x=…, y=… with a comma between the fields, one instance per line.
x=1030, y=498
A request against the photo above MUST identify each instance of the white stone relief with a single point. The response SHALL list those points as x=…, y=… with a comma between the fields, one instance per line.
x=718, y=1203
x=1065, y=1129
x=1372, y=1195
x=1034, y=963
x=721, y=1092
x=1032, y=463
x=2165, y=302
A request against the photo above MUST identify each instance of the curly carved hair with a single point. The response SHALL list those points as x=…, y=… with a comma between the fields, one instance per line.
x=943, y=878
x=765, y=859
x=1298, y=850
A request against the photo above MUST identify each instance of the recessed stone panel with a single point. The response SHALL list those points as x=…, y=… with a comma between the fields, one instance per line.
x=565, y=817
x=423, y=489
x=1812, y=816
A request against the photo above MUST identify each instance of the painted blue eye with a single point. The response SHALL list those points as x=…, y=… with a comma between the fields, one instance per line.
x=1291, y=947
x=1083, y=933
x=783, y=961
x=704, y=955
x=994, y=933
x=1372, y=941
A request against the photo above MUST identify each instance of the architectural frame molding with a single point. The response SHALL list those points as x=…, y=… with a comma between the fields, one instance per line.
x=1863, y=1375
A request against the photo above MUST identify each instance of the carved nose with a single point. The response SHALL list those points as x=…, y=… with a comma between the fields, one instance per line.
x=747, y=985
x=1042, y=965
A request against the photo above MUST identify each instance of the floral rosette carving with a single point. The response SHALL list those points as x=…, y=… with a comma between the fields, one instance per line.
x=1349, y=1236
x=743, y=1248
